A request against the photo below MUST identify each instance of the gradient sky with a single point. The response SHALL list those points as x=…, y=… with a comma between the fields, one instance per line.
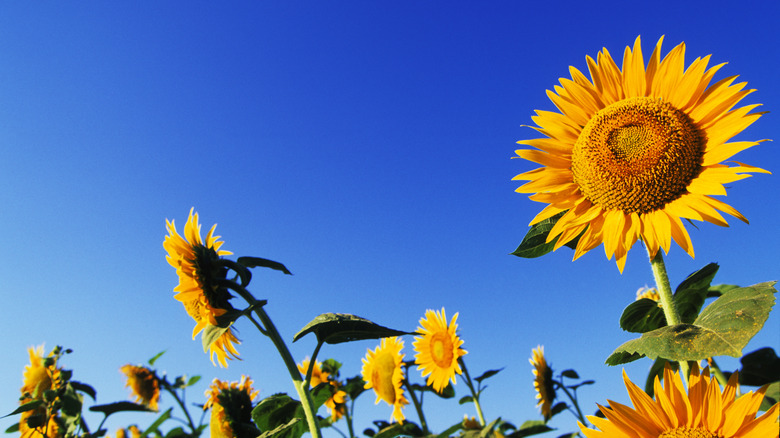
x=367, y=146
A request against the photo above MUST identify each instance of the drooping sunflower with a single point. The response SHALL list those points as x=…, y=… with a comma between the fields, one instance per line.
x=543, y=381
x=704, y=411
x=41, y=375
x=199, y=271
x=636, y=150
x=438, y=349
x=336, y=404
x=231, y=408
x=144, y=384
x=383, y=371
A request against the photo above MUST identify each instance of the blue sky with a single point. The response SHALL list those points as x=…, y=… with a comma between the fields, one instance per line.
x=367, y=146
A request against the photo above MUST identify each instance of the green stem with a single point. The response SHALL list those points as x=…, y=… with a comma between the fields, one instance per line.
x=474, y=393
x=667, y=299
x=349, y=418
x=715, y=370
x=180, y=403
x=417, y=404
x=574, y=401
x=300, y=386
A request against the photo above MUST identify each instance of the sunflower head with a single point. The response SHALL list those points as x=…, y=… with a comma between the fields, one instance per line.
x=200, y=288
x=144, y=384
x=703, y=411
x=383, y=371
x=543, y=382
x=438, y=349
x=231, y=408
x=40, y=377
x=649, y=293
x=634, y=151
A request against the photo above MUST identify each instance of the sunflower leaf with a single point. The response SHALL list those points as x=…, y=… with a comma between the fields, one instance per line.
x=29, y=406
x=210, y=335
x=259, y=262
x=122, y=406
x=690, y=294
x=771, y=396
x=487, y=374
x=723, y=328
x=335, y=328
x=535, y=243
x=759, y=367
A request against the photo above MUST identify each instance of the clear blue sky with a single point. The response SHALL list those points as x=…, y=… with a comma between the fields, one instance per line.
x=367, y=146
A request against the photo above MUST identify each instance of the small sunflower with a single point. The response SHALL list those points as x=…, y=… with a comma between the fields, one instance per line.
x=383, y=371
x=336, y=404
x=543, y=381
x=133, y=430
x=231, y=407
x=704, y=411
x=199, y=271
x=144, y=385
x=438, y=349
x=635, y=151
x=648, y=292
x=40, y=376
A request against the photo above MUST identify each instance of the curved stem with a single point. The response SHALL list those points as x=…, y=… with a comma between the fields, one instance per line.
x=667, y=299
x=574, y=401
x=270, y=330
x=417, y=404
x=312, y=361
x=474, y=392
x=179, y=402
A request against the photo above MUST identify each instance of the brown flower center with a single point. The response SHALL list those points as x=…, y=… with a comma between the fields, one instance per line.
x=637, y=155
x=685, y=432
x=441, y=350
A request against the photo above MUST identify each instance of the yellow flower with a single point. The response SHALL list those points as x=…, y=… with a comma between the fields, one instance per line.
x=144, y=384
x=382, y=371
x=648, y=292
x=438, y=349
x=199, y=271
x=636, y=150
x=134, y=432
x=231, y=406
x=543, y=382
x=336, y=404
x=40, y=376
x=704, y=411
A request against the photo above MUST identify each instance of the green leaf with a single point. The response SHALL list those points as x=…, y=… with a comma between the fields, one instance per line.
x=466, y=399
x=571, y=374
x=690, y=294
x=719, y=289
x=83, y=387
x=258, y=262
x=193, y=380
x=408, y=428
x=122, y=406
x=531, y=427
x=354, y=386
x=771, y=396
x=487, y=374
x=283, y=430
x=759, y=367
x=722, y=329
x=13, y=428
x=156, y=356
x=558, y=408
x=535, y=243
x=210, y=335
x=29, y=406
x=642, y=316
x=280, y=410
x=450, y=431
x=335, y=328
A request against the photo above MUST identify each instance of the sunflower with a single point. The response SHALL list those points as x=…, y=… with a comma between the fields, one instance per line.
x=336, y=404
x=382, y=371
x=650, y=293
x=144, y=384
x=40, y=376
x=703, y=412
x=197, y=265
x=231, y=407
x=438, y=349
x=543, y=381
x=635, y=151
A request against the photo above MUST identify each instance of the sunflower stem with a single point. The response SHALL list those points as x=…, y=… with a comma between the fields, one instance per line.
x=715, y=370
x=417, y=404
x=667, y=299
x=180, y=402
x=270, y=330
x=574, y=401
x=474, y=393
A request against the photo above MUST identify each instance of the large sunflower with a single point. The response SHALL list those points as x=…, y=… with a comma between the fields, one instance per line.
x=40, y=376
x=231, y=408
x=144, y=384
x=336, y=403
x=438, y=349
x=198, y=290
x=704, y=411
x=543, y=382
x=383, y=371
x=636, y=150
